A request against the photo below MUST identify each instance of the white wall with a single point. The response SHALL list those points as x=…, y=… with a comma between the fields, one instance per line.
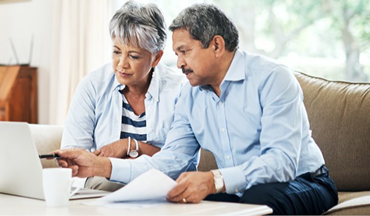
x=19, y=21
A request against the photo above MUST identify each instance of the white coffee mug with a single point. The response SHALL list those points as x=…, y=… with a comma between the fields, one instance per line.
x=57, y=183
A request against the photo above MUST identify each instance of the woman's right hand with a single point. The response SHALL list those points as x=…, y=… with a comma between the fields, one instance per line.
x=117, y=149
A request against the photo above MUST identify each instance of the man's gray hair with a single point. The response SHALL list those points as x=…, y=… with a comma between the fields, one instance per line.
x=204, y=21
x=141, y=25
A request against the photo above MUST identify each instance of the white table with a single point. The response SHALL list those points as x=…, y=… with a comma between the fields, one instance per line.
x=13, y=205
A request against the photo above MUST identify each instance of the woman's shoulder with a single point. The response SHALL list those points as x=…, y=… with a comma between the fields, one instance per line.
x=98, y=80
x=99, y=76
x=104, y=72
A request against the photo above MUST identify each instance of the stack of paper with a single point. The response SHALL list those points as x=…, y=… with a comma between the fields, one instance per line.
x=151, y=185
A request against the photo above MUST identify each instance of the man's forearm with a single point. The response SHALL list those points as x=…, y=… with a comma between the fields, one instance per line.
x=102, y=167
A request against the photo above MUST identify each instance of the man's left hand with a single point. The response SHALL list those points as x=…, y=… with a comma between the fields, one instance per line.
x=192, y=187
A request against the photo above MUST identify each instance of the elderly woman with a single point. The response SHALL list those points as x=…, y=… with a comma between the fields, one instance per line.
x=125, y=109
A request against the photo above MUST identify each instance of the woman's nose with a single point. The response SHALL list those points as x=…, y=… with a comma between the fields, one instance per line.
x=123, y=62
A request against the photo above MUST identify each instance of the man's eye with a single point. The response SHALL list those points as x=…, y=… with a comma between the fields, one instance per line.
x=116, y=52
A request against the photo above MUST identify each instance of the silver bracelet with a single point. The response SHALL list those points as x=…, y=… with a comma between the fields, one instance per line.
x=134, y=153
x=128, y=146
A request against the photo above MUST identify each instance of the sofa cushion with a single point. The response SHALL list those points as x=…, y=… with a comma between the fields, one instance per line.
x=359, y=205
x=47, y=138
x=345, y=196
x=207, y=161
x=340, y=122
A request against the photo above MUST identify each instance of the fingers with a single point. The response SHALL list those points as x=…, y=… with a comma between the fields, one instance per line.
x=97, y=152
x=116, y=150
x=62, y=163
x=183, y=197
x=70, y=153
x=192, y=187
x=74, y=170
x=105, y=154
x=178, y=193
x=65, y=163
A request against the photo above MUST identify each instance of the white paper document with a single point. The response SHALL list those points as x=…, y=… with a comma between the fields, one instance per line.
x=134, y=205
x=151, y=185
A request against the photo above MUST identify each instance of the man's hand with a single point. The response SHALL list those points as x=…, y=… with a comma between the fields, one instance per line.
x=84, y=163
x=117, y=149
x=192, y=187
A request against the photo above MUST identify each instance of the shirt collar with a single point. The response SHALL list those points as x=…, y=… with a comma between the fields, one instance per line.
x=116, y=85
x=234, y=72
x=153, y=90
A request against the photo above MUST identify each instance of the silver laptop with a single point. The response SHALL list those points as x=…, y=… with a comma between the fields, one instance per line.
x=20, y=166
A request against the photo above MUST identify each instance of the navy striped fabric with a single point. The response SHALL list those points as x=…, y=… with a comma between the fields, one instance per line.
x=132, y=125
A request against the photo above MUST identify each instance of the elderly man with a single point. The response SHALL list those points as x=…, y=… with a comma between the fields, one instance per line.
x=247, y=110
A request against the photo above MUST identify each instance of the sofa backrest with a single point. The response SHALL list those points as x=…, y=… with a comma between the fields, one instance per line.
x=339, y=115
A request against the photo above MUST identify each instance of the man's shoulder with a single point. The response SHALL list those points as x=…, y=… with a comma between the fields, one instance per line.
x=261, y=67
x=192, y=93
x=257, y=62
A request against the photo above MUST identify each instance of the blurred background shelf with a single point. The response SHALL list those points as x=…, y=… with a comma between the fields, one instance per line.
x=18, y=93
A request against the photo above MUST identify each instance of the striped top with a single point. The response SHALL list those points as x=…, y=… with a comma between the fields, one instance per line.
x=132, y=125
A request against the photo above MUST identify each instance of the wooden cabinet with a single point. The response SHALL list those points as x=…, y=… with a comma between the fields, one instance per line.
x=18, y=94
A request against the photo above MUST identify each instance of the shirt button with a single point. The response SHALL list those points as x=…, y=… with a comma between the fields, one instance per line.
x=223, y=130
x=228, y=157
x=219, y=103
x=236, y=191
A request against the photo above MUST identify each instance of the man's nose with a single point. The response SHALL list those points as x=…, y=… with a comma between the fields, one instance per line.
x=180, y=62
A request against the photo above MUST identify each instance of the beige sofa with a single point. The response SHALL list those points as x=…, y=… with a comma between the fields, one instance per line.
x=339, y=114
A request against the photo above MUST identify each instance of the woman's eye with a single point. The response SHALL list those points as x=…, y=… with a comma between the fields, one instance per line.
x=134, y=57
x=116, y=52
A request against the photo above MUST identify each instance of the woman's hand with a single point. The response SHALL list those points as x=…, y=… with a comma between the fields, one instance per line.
x=117, y=149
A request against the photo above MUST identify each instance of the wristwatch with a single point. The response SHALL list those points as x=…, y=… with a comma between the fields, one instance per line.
x=218, y=180
x=134, y=152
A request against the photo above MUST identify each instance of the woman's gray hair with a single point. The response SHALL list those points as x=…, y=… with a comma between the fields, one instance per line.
x=204, y=21
x=141, y=25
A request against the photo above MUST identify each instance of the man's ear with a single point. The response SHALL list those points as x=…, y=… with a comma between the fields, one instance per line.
x=218, y=45
x=157, y=58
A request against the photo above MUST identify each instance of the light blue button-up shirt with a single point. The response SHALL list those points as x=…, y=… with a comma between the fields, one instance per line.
x=94, y=117
x=257, y=129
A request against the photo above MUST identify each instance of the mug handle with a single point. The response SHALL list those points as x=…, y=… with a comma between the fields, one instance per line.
x=75, y=190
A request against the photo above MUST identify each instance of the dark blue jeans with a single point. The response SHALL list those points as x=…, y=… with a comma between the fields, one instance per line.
x=307, y=194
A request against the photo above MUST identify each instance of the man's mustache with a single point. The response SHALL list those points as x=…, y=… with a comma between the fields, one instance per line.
x=186, y=71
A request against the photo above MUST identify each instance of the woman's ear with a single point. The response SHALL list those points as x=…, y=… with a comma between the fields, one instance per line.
x=218, y=45
x=157, y=58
